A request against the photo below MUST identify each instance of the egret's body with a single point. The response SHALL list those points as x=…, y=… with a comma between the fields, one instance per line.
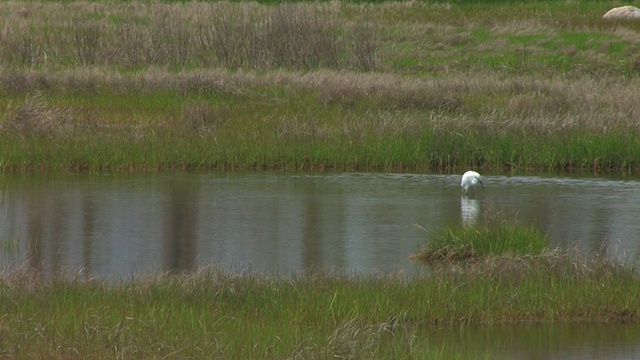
x=470, y=180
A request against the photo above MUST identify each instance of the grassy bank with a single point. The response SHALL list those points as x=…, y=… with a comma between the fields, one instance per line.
x=396, y=86
x=313, y=315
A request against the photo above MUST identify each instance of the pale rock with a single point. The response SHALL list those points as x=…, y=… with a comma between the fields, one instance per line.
x=623, y=12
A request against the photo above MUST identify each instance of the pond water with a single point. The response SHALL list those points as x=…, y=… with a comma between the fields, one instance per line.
x=556, y=342
x=115, y=225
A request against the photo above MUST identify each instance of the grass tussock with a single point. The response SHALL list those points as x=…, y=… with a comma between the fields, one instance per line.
x=316, y=315
x=36, y=117
x=493, y=237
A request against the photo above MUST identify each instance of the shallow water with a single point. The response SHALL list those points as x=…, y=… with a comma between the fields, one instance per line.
x=556, y=342
x=113, y=226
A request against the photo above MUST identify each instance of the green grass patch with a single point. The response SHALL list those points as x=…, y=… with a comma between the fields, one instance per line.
x=491, y=237
x=315, y=315
x=470, y=243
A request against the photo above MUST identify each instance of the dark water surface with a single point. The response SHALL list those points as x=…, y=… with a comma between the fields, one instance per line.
x=113, y=226
x=529, y=342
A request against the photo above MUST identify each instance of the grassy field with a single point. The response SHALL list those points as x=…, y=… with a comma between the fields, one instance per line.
x=402, y=86
x=215, y=314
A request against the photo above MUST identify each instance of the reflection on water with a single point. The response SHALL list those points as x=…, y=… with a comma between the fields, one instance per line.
x=469, y=209
x=179, y=235
x=115, y=225
x=560, y=341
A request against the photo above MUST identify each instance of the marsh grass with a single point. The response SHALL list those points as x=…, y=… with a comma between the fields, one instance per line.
x=406, y=86
x=133, y=35
x=315, y=120
x=468, y=243
x=316, y=314
x=35, y=117
x=493, y=236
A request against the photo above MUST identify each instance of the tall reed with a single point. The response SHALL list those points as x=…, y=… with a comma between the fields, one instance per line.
x=133, y=35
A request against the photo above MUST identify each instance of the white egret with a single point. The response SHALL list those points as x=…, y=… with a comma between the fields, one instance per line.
x=470, y=180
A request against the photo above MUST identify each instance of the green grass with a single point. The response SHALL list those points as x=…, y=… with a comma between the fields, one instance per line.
x=468, y=243
x=313, y=315
x=320, y=121
x=422, y=152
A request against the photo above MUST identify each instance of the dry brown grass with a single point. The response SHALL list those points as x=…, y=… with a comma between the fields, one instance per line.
x=294, y=36
x=201, y=117
x=35, y=116
x=541, y=105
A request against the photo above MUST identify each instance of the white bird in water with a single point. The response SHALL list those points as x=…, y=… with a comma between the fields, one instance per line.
x=470, y=180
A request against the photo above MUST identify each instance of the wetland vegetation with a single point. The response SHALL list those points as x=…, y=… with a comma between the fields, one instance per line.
x=489, y=238
x=315, y=315
x=400, y=86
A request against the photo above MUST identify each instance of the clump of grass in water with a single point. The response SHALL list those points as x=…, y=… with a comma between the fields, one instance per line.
x=495, y=237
